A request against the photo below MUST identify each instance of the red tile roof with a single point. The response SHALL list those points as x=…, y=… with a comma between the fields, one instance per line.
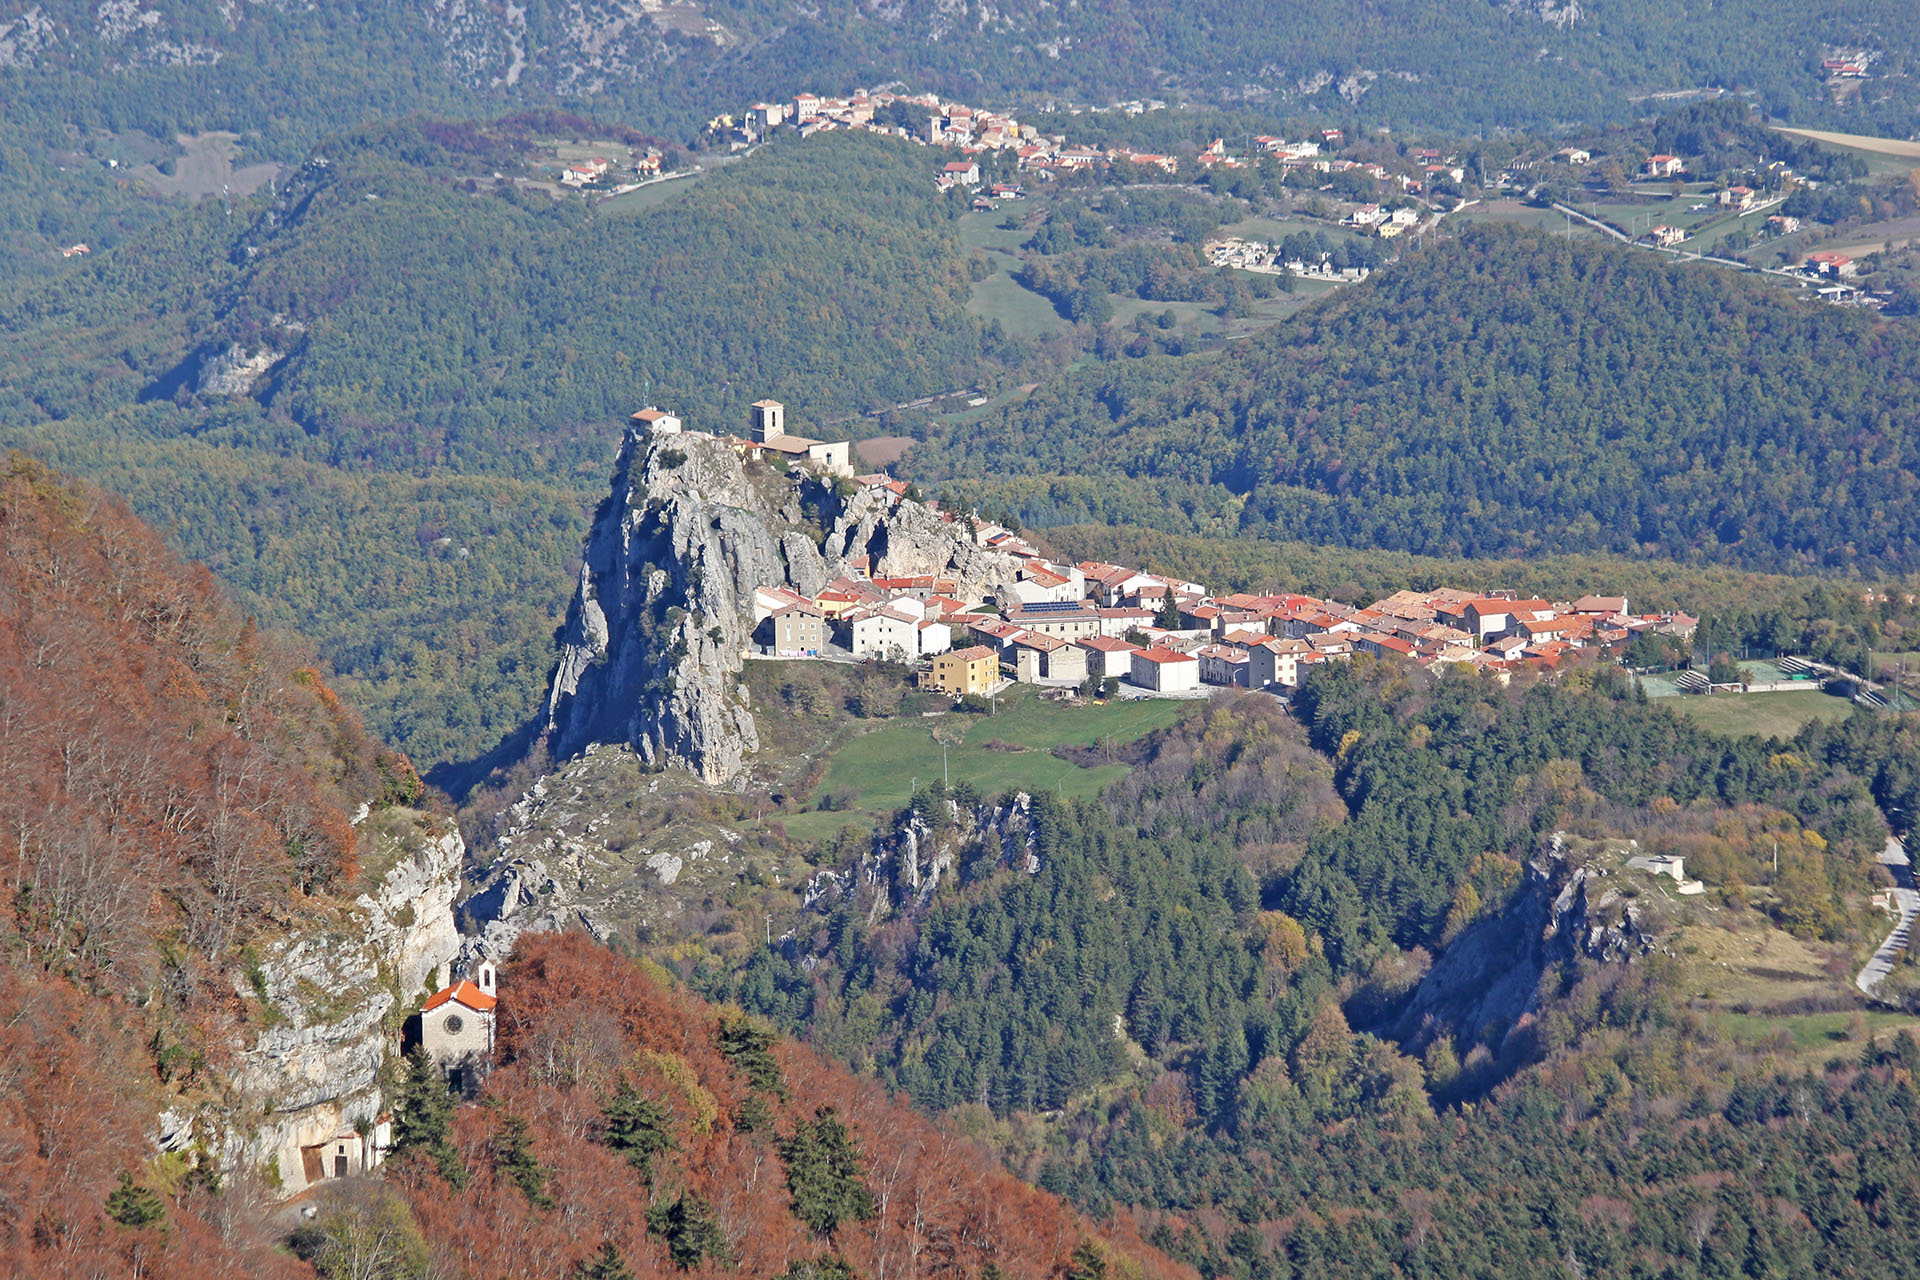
x=1157, y=654
x=463, y=992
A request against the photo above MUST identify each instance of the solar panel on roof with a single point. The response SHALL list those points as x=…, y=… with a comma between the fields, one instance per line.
x=1053, y=606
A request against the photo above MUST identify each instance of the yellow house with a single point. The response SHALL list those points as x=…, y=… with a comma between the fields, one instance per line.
x=966, y=671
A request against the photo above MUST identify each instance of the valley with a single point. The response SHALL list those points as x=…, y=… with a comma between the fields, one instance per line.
x=886, y=643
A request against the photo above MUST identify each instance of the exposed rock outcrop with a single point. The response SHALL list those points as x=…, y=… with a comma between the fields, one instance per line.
x=234, y=371
x=1490, y=977
x=587, y=847
x=330, y=992
x=662, y=620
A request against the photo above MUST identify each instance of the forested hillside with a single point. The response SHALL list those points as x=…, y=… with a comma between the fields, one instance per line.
x=450, y=367
x=631, y=1126
x=287, y=74
x=1502, y=393
x=1216, y=980
x=172, y=783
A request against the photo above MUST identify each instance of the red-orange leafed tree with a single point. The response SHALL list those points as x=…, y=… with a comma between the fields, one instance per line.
x=577, y=1021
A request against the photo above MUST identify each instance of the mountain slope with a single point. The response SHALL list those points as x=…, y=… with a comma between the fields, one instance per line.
x=738, y=1181
x=1507, y=393
x=289, y=72
x=405, y=471
x=177, y=790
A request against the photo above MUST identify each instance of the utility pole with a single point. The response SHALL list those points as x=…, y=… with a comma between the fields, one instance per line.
x=946, y=779
x=769, y=928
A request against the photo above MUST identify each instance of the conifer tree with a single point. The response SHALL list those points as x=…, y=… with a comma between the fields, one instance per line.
x=604, y=1265
x=132, y=1205
x=824, y=1174
x=423, y=1109
x=513, y=1153
x=638, y=1127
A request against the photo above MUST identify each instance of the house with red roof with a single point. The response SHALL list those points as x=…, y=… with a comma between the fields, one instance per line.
x=1108, y=656
x=1165, y=671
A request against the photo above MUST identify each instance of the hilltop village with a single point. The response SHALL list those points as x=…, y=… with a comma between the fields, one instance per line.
x=975, y=132
x=1126, y=631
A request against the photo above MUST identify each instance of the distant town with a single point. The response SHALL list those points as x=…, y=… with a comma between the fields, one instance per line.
x=1128, y=631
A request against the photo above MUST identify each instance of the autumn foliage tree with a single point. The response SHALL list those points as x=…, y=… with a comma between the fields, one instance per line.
x=172, y=781
x=626, y=1096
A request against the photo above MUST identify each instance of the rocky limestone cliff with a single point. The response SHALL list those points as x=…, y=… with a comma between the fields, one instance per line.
x=234, y=371
x=330, y=993
x=1568, y=909
x=661, y=623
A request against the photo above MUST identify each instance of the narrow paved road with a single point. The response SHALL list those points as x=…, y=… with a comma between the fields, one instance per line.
x=1907, y=898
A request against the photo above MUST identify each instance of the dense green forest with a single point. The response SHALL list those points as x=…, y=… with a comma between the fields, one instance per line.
x=408, y=482
x=289, y=74
x=1503, y=393
x=1397, y=813
x=1204, y=974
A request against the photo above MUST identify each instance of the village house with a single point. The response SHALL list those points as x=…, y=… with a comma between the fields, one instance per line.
x=1039, y=584
x=1108, y=657
x=934, y=636
x=1123, y=620
x=797, y=631
x=891, y=491
x=658, y=421
x=1740, y=198
x=1490, y=618
x=1165, y=671
x=587, y=171
x=1665, y=236
x=1827, y=263
x=1064, y=620
x=1222, y=664
x=882, y=632
x=1039, y=657
x=1662, y=166
x=456, y=1028
x=974, y=670
x=1277, y=662
x=1381, y=646
x=960, y=173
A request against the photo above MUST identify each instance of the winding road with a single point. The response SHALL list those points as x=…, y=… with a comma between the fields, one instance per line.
x=1907, y=898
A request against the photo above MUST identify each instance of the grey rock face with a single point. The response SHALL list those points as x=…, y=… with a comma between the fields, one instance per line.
x=1490, y=976
x=316, y=1068
x=235, y=371
x=660, y=625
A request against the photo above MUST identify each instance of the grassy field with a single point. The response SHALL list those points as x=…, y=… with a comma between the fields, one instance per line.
x=206, y=168
x=878, y=770
x=1020, y=311
x=1736, y=967
x=1271, y=229
x=1514, y=213
x=650, y=196
x=1884, y=156
x=1768, y=715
